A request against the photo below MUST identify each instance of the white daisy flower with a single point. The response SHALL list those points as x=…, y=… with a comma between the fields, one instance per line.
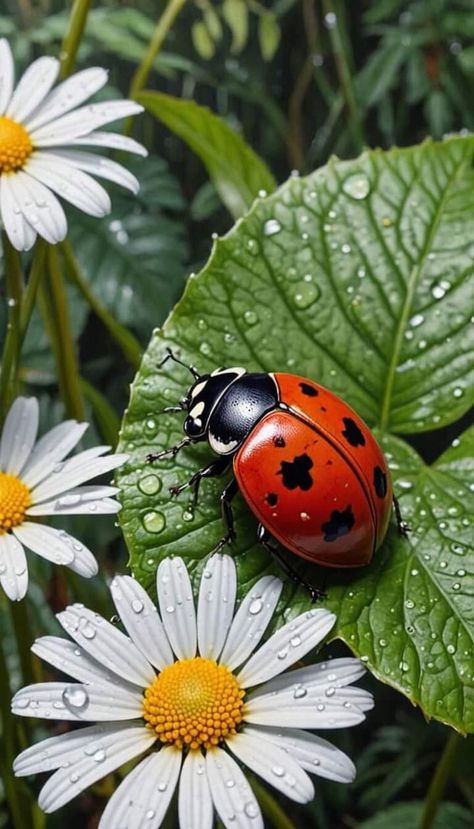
x=182, y=687
x=42, y=135
x=35, y=480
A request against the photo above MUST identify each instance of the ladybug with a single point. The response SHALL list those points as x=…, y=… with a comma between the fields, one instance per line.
x=307, y=465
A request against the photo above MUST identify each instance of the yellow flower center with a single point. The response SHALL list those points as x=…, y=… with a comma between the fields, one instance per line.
x=15, y=145
x=15, y=499
x=194, y=702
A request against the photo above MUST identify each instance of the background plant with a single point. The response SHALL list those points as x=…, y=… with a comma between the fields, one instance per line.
x=374, y=74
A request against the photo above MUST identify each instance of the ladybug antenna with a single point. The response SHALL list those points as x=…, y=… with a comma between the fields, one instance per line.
x=171, y=356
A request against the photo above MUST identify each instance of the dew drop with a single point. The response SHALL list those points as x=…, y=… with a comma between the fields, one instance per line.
x=271, y=227
x=137, y=606
x=458, y=392
x=255, y=607
x=357, y=186
x=100, y=755
x=75, y=698
x=451, y=649
x=330, y=691
x=417, y=320
x=250, y=317
x=300, y=692
x=251, y=809
x=154, y=521
x=88, y=631
x=305, y=294
x=278, y=771
x=149, y=484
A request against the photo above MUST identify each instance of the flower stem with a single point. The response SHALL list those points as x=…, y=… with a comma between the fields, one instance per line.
x=439, y=780
x=162, y=28
x=31, y=290
x=18, y=806
x=56, y=315
x=342, y=58
x=104, y=414
x=11, y=349
x=125, y=340
x=270, y=808
x=22, y=631
x=72, y=38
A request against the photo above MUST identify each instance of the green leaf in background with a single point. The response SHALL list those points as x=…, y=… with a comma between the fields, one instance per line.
x=408, y=815
x=202, y=40
x=359, y=276
x=236, y=170
x=268, y=35
x=236, y=15
x=135, y=258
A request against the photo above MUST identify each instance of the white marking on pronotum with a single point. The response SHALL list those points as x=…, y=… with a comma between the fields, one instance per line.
x=197, y=410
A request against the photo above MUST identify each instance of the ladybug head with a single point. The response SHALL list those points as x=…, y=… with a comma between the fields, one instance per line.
x=202, y=397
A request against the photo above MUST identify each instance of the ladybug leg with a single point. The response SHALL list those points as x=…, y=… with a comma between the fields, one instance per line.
x=168, y=453
x=263, y=537
x=213, y=469
x=402, y=526
x=228, y=494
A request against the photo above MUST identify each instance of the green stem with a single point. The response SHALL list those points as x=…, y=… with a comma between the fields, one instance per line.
x=31, y=290
x=104, y=413
x=11, y=349
x=439, y=780
x=162, y=28
x=18, y=806
x=125, y=340
x=56, y=315
x=270, y=808
x=342, y=59
x=72, y=38
x=22, y=631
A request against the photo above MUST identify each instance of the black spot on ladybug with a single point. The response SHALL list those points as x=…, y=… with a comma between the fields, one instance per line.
x=272, y=499
x=323, y=409
x=279, y=441
x=340, y=523
x=309, y=390
x=328, y=463
x=380, y=482
x=352, y=433
x=296, y=472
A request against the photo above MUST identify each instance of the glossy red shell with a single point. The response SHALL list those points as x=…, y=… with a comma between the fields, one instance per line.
x=316, y=478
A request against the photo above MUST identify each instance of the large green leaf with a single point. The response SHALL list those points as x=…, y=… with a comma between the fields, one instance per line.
x=408, y=815
x=357, y=276
x=237, y=171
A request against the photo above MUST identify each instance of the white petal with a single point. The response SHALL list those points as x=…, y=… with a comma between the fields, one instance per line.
x=13, y=567
x=57, y=752
x=68, y=95
x=305, y=707
x=51, y=449
x=102, y=167
x=84, y=562
x=19, y=434
x=46, y=542
x=48, y=700
x=72, y=505
x=140, y=617
x=251, y=621
x=73, y=185
x=288, y=645
x=103, y=756
x=21, y=234
x=81, y=121
x=40, y=208
x=81, y=468
x=233, y=798
x=175, y=596
x=110, y=139
x=313, y=754
x=107, y=645
x=74, y=661
x=194, y=802
x=143, y=797
x=216, y=605
x=335, y=673
x=32, y=87
x=273, y=764
x=7, y=74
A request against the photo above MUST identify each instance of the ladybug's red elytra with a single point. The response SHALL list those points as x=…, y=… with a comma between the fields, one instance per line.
x=309, y=468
